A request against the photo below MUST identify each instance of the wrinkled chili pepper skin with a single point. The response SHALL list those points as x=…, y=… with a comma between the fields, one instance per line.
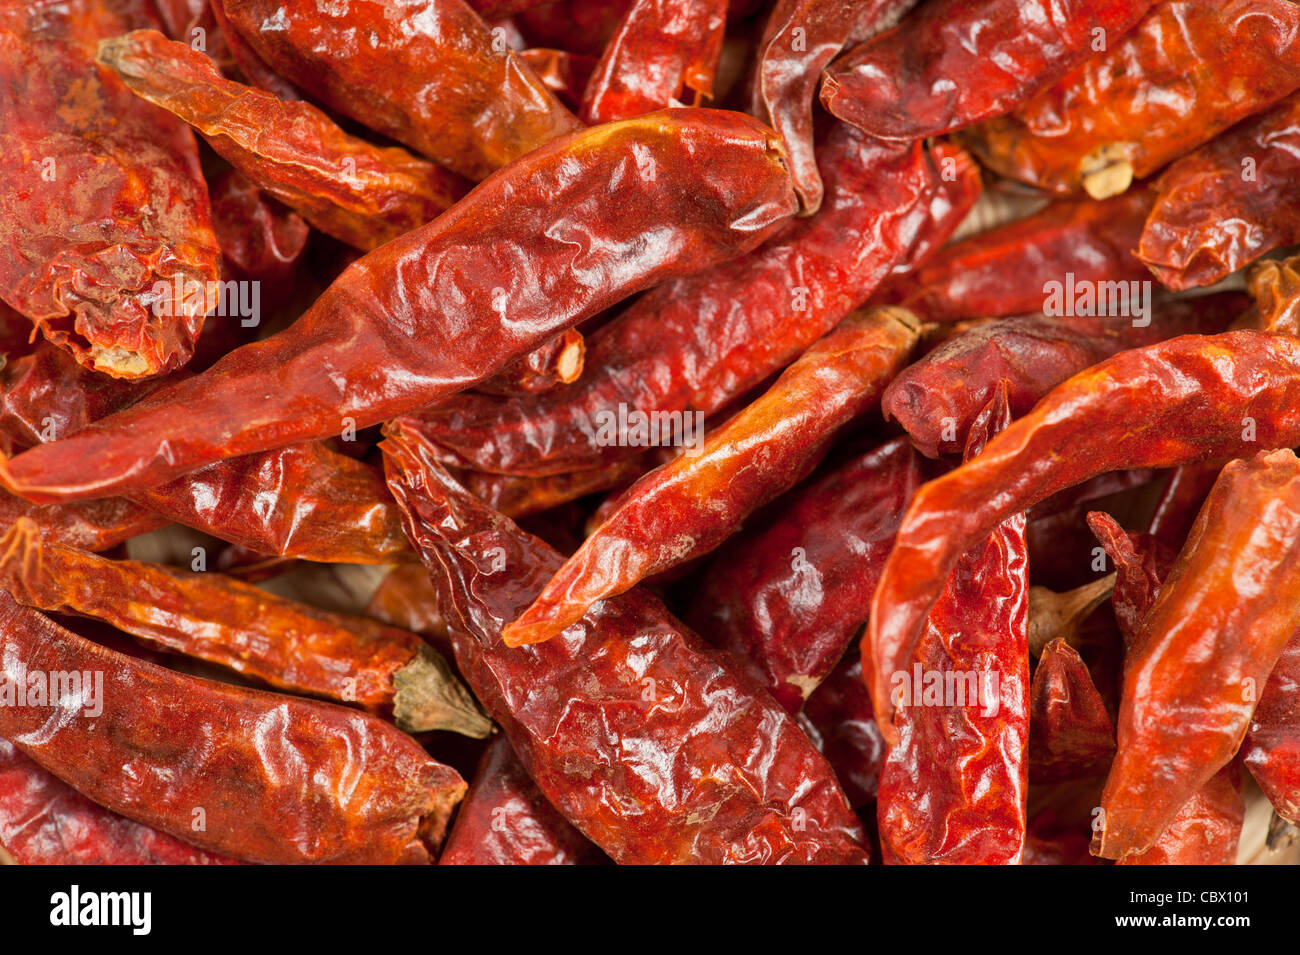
x=1100, y=127
x=1071, y=734
x=517, y=497
x=789, y=597
x=936, y=398
x=641, y=738
x=960, y=187
x=1141, y=564
x=44, y=821
x=347, y=188
x=505, y=820
x=1004, y=271
x=530, y=252
x=661, y=49
x=840, y=712
x=764, y=450
x=337, y=785
x=1206, y=829
x=557, y=362
x=1205, y=650
x=789, y=67
x=1275, y=286
x=1183, y=400
x=428, y=74
x=696, y=343
x=259, y=238
x=1214, y=215
x=89, y=525
x=956, y=62
x=106, y=201
x=1271, y=750
x=953, y=789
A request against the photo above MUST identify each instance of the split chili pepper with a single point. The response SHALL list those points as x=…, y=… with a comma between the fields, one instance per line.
x=529, y=253
x=1007, y=270
x=1271, y=750
x=761, y=452
x=44, y=821
x=799, y=39
x=697, y=343
x=282, y=643
x=338, y=785
x=428, y=74
x=953, y=788
x=1100, y=128
x=557, y=362
x=1071, y=734
x=1192, y=398
x=1228, y=203
x=342, y=185
x=106, y=209
x=1275, y=286
x=789, y=597
x=1206, y=829
x=641, y=738
x=956, y=62
x=1205, y=650
x=661, y=49
x=936, y=398
x=505, y=820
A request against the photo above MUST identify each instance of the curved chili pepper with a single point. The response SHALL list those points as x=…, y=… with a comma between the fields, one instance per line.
x=337, y=786
x=661, y=49
x=1271, y=750
x=1071, y=734
x=764, y=450
x=789, y=597
x=428, y=74
x=1141, y=563
x=505, y=820
x=507, y=268
x=697, y=343
x=1228, y=203
x=1188, y=399
x=641, y=738
x=956, y=62
x=44, y=821
x=1205, y=650
x=953, y=787
x=105, y=204
x=1100, y=128
x=342, y=185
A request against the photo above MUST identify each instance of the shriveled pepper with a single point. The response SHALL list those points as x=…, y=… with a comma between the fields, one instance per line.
x=1141, y=565
x=89, y=525
x=541, y=245
x=1206, y=829
x=1271, y=750
x=764, y=450
x=1275, y=286
x=643, y=740
x=557, y=362
x=1071, y=734
x=839, y=713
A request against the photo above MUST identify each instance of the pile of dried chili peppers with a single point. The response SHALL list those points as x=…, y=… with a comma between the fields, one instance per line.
x=650, y=431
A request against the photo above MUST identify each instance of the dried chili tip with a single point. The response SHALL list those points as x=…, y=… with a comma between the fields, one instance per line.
x=1058, y=616
x=428, y=696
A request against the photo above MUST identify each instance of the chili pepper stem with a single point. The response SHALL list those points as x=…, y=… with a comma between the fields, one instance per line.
x=428, y=696
x=1053, y=615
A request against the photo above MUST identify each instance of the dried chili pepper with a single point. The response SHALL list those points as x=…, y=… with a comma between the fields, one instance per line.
x=260, y=239
x=89, y=525
x=766, y=449
x=1008, y=269
x=674, y=758
x=106, y=210
x=282, y=643
x=505, y=820
x=1271, y=750
x=1101, y=127
x=532, y=251
x=799, y=39
x=565, y=74
x=840, y=713
x=1141, y=565
x=790, y=596
x=44, y=821
x=956, y=62
x=953, y=787
x=660, y=49
x=1071, y=734
x=1205, y=830
x=1228, y=203
x=694, y=344
x=1205, y=650
x=318, y=783
x=517, y=497
x=1275, y=286
x=428, y=74
x=557, y=362
x=251, y=67
x=342, y=185
x=1188, y=399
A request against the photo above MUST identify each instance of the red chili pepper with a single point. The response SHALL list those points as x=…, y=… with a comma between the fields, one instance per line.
x=1141, y=563
x=1206, y=829
x=840, y=715
x=260, y=239
x=1071, y=734
x=1271, y=750
x=89, y=525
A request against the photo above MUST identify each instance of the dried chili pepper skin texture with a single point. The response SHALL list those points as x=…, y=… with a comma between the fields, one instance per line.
x=1205, y=650
x=1272, y=748
x=428, y=73
x=642, y=738
x=1228, y=203
x=956, y=62
x=568, y=231
x=105, y=204
x=318, y=783
x=1206, y=829
x=1191, y=398
x=1071, y=734
x=765, y=449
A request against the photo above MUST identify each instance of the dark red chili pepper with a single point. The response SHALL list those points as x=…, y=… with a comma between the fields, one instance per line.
x=557, y=362
x=1142, y=563
x=1271, y=750
x=260, y=239
x=839, y=711
x=1071, y=734
x=517, y=497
